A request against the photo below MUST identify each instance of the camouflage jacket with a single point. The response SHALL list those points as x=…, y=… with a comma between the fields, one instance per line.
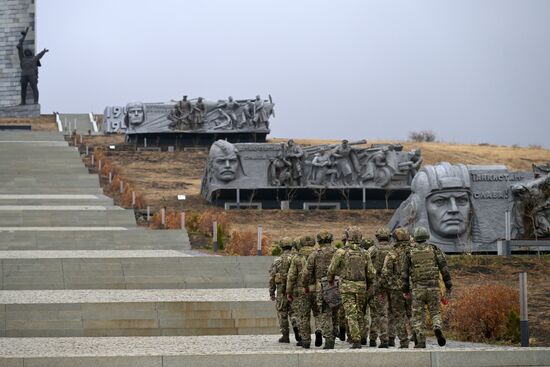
x=317, y=265
x=393, y=267
x=278, y=274
x=295, y=272
x=422, y=264
x=378, y=254
x=354, y=266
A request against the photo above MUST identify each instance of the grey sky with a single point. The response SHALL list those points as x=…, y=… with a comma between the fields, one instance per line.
x=472, y=70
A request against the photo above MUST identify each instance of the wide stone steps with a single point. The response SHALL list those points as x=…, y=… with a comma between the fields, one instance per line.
x=89, y=238
x=248, y=351
x=145, y=269
x=136, y=312
x=67, y=218
x=45, y=200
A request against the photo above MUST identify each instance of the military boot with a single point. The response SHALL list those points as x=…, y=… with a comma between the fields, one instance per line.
x=440, y=338
x=356, y=346
x=296, y=334
x=306, y=344
x=391, y=342
x=383, y=344
x=364, y=341
x=318, y=338
x=404, y=344
x=372, y=343
x=284, y=339
x=420, y=345
x=413, y=337
x=342, y=333
x=299, y=343
x=329, y=344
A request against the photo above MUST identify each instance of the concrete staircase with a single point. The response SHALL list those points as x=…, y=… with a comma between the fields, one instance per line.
x=76, y=121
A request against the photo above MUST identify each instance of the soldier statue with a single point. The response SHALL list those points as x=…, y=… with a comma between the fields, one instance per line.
x=422, y=264
x=357, y=274
x=29, y=68
x=295, y=156
x=198, y=112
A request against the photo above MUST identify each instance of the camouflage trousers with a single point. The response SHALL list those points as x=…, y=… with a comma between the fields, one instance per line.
x=303, y=306
x=397, y=317
x=328, y=318
x=284, y=311
x=354, y=304
x=367, y=318
x=422, y=297
x=379, y=315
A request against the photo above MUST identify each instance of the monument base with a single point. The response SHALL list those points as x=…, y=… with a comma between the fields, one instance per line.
x=193, y=139
x=20, y=111
x=308, y=198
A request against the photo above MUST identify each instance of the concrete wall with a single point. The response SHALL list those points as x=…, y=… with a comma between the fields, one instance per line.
x=15, y=16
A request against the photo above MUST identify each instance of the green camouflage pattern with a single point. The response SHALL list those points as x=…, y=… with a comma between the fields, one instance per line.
x=422, y=298
x=382, y=234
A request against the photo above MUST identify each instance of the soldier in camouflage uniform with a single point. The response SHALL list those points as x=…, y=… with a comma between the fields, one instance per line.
x=366, y=244
x=379, y=301
x=357, y=274
x=302, y=303
x=391, y=277
x=316, y=269
x=277, y=282
x=422, y=264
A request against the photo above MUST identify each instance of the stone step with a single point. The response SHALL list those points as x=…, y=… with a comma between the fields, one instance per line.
x=89, y=238
x=67, y=218
x=141, y=312
x=141, y=269
x=31, y=136
x=249, y=351
x=38, y=199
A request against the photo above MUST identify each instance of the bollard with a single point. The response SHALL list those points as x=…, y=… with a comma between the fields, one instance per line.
x=259, y=252
x=148, y=213
x=80, y=138
x=121, y=186
x=93, y=160
x=75, y=140
x=162, y=218
x=364, y=198
x=87, y=150
x=523, y=313
x=182, y=220
x=99, y=165
x=215, y=236
x=507, y=225
x=133, y=199
x=238, y=198
x=145, y=142
x=110, y=177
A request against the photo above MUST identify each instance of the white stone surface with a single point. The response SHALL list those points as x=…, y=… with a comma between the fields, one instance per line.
x=49, y=197
x=133, y=295
x=92, y=254
x=58, y=207
x=61, y=229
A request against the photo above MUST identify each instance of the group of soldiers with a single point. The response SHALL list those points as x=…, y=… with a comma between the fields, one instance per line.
x=368, y=288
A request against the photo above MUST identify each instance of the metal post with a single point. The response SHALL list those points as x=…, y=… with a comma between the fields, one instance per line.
x=182, y=220
x=99, y=165
x=259, y=252
x=145, y=142
x=162, y=217
x=133, y=199
x=87, y=150
x=523, y=313
x=148, y=213
x=80, y=138
x=215, y=236
x=364, y=198
x=508, y=230
x=121, y=186
x=75, y=140
x=238, y=198
x=93, y=160
x=110, y=177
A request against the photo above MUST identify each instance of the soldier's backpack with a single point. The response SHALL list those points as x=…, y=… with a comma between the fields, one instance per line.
x=424, y=267
x=378, y=255
x=355, y=265
x=331, y=293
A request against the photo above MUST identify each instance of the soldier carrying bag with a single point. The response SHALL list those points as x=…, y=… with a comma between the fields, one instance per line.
x=331, y=294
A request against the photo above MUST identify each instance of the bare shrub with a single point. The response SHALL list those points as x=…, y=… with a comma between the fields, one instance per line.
x=208, y=217
x=481, y=313
x=422, y=136
x=244, y=243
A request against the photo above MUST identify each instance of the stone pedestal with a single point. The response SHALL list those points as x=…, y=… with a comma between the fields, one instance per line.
x=21, y=111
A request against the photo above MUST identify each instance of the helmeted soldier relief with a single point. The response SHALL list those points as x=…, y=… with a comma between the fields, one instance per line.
x=422, y=264
x=224, y=161
x=29, y=68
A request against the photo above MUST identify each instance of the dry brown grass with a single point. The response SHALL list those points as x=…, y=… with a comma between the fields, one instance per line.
x=245, y=243
x=42, y=123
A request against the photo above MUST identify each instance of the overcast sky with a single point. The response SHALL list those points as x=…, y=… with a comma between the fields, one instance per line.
x=472, y=71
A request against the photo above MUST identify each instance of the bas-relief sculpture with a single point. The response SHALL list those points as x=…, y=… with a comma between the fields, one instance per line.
x=198, y=115
x=114, y=120
x=29, y=68
x=531, y=209
x=462, y=206
x=288, y=165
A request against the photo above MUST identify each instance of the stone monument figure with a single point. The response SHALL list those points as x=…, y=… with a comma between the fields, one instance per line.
x=224, y=161
x=346, y=162
x=229, y=110
x=295, y=156
x=441, y=201
x=280, y=168
x=135, y=113
x=531, y=207
x=414, y=163
x=180, y=116
x=259, y=114
x=198, y=113
x=29, y=68
x=322, y=167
